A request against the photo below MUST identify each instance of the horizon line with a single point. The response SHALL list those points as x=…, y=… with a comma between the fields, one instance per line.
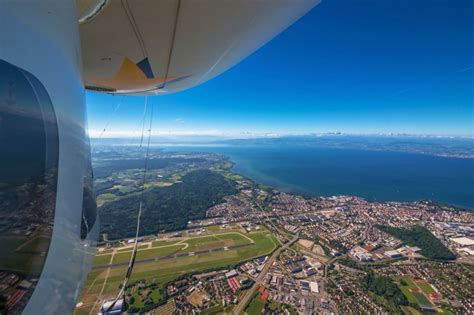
x=129, y=135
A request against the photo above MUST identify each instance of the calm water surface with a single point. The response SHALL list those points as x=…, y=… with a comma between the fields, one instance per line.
x=383, y=176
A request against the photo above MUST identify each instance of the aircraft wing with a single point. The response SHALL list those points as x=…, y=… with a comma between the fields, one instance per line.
x=154, y=47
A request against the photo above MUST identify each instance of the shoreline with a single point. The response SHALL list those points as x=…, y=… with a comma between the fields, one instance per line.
x=307, y=194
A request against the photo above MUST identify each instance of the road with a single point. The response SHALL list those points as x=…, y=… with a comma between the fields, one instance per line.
x=239, y=309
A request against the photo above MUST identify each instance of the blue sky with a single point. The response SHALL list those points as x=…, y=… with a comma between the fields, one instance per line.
x=354, y=66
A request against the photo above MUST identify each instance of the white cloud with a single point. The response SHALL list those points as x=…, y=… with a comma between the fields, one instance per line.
x=95, y=133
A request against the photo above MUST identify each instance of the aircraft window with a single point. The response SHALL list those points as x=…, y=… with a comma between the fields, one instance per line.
x=89, y=207
x=28, y=181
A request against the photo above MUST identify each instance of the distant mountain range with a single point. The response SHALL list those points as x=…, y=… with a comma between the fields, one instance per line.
x=438, y=146
x=458, y=147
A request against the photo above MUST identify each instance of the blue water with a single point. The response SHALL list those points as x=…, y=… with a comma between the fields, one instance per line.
x=374, y=175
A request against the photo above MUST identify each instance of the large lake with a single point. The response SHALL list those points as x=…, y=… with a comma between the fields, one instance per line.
x=374, y=175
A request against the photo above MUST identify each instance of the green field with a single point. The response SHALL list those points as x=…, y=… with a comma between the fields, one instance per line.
x=155, y=296
x=17, y=252
x=105, y=251
x=408, y=310
x=101, y=259
x=217, y=309
x=162, y=242
x=406, y=289
x=129, y=249
x=164, y=248
x=213, y=228
x=148, y=253
x=106, y=197
x=427, y=289
x=409, y=281
x=36, y=244
x=138, y=301
x=443, y=310
x=422, y=300
x=255, y=306
x=413, y=291
x=166, y=270
x=410, y=297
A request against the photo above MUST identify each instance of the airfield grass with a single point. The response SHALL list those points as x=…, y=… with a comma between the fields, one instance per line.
x=105, y=251
x=148, y=253
x=214, y=228
x=165, y=248
x=217, y=241
x=164, y=271
x=162, y=243
x=129, y=249
x=192, y=245
x=101, y=259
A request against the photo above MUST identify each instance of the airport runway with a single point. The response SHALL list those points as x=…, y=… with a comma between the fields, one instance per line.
x=198, y=252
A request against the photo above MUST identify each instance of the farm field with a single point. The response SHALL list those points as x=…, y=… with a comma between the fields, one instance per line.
x=103, y=282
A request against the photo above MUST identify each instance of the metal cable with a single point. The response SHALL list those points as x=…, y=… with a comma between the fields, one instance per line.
x=135, y=246
x=170, y=53
x=135, y=28
x=143, y=124
x=107, y=123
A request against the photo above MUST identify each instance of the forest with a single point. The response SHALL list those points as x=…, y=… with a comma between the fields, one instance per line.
x=166, y=208
x=419, y=236
x=385, y=287
x=105, y=168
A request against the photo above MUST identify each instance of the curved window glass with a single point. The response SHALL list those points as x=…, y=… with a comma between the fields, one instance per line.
x=89, y=206
x=28, y=180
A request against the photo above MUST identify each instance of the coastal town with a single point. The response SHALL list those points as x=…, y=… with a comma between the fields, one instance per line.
x=258, y=250
x=340, y=240
x=329, y=251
